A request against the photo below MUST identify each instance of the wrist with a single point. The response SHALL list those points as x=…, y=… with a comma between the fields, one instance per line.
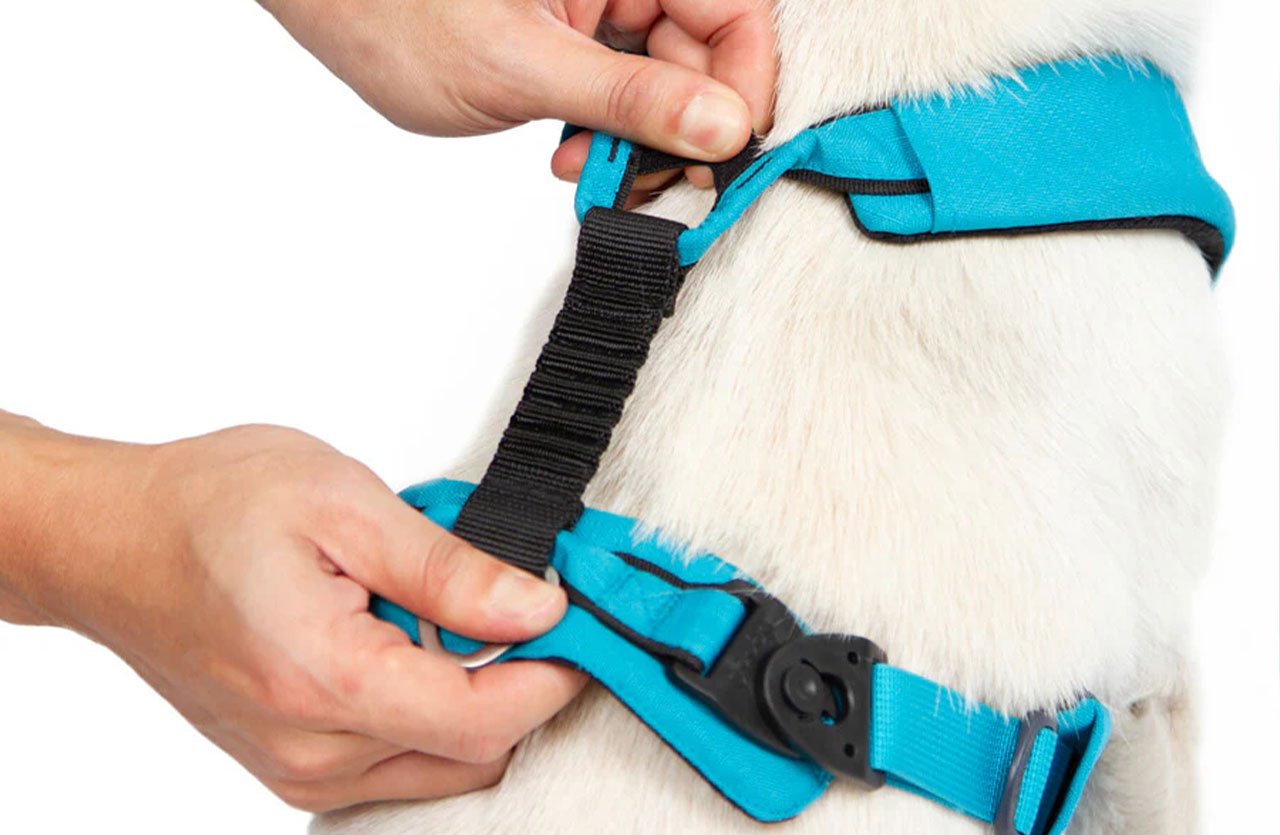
x=72, y=523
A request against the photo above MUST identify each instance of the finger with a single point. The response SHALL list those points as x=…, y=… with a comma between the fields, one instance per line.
x=304, y=757
x=643, y=194
x=741, y=39
x=401, y=555
x=424, y=702
x=408, y=776
x=668, y=42
x=649, y=101
x=700, y=176
x=569, y=159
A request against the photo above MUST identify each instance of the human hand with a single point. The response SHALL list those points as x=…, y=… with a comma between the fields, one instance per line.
x=448, y=68
x=233, y=572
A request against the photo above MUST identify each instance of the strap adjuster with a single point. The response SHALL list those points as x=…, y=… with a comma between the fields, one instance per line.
x=732, y=685
x=795, y=693
x=1032, y=725
x=817, y=690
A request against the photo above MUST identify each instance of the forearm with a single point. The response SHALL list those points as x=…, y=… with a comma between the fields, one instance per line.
x=70, y=511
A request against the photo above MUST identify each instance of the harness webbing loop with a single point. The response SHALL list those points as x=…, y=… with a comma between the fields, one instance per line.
x=624, y=282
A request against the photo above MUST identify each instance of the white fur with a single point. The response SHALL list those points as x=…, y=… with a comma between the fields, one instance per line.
x=994, y=456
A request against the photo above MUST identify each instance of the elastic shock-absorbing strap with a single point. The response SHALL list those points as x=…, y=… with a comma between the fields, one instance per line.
x=624, y=282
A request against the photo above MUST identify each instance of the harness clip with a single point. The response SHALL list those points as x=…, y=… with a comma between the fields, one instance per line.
x=797, y=694
x=817, y=692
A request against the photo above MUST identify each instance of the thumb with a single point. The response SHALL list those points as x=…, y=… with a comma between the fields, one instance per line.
x=572, y=77
x=436, y=575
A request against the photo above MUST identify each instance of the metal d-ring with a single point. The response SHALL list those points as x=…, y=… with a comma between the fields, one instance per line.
x=429, y=636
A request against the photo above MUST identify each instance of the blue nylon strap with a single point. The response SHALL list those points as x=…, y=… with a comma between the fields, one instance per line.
x=1073, y=143
x=765, y=785
x=932, y=741
x=927, y=738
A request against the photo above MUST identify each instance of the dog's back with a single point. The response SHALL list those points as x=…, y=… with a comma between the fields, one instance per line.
x=994, y=455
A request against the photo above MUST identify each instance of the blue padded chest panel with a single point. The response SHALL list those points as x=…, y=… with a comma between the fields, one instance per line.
x=1098, y=144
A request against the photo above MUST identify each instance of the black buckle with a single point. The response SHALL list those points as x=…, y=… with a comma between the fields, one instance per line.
x=818, y=693
x=1032, y=725
x=732, y=685
x=792, y=692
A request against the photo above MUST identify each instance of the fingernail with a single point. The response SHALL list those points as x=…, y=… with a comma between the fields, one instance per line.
x=700, y=176
x=713, y=123
x=521, y=596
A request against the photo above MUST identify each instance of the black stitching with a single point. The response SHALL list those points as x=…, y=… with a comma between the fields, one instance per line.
x=650, y=646
x=859, y=185
x=669, y=578
x=1203, y=235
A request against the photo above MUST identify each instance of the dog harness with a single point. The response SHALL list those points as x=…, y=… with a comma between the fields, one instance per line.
x=725, y=673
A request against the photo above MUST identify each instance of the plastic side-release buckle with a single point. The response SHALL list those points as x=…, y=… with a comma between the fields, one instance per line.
x=797, y=694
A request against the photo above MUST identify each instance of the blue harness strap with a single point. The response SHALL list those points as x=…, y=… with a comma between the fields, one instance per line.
x=728, y=676
x=638, y=607
x=1099, y=144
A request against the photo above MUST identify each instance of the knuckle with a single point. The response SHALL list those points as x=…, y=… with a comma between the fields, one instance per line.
x=291, y=702
x=296, y=763
x=335, y=478
x=631, y=95
x=337, y=492
x=307, y=709
x=491, y=774
x=350, y=681
x=306, y=798
x=445, y=561
x=480, y=747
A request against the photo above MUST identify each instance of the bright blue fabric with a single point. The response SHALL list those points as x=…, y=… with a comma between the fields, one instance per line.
x=695, y=621
x=603, y=173
x=765, y=785
x=1074, y=142
x=935, y=743
x=1063, y=143
x=927, y=738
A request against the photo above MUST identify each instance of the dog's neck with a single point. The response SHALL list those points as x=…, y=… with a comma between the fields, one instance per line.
x=839, y=55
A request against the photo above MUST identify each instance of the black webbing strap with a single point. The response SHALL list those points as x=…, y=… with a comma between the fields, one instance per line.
x=649, y=161
x=625, y=280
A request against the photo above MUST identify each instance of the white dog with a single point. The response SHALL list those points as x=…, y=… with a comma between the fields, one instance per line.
x=995, y=456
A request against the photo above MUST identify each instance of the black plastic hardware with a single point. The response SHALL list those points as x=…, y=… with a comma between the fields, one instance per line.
x=1032, y=725
x=799, y=695
x=732, y=685
x=817, y=692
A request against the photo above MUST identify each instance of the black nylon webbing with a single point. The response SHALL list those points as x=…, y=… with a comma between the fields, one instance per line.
x=625, y=280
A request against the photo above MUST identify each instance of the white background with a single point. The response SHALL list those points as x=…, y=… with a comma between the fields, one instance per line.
x=200, y=227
